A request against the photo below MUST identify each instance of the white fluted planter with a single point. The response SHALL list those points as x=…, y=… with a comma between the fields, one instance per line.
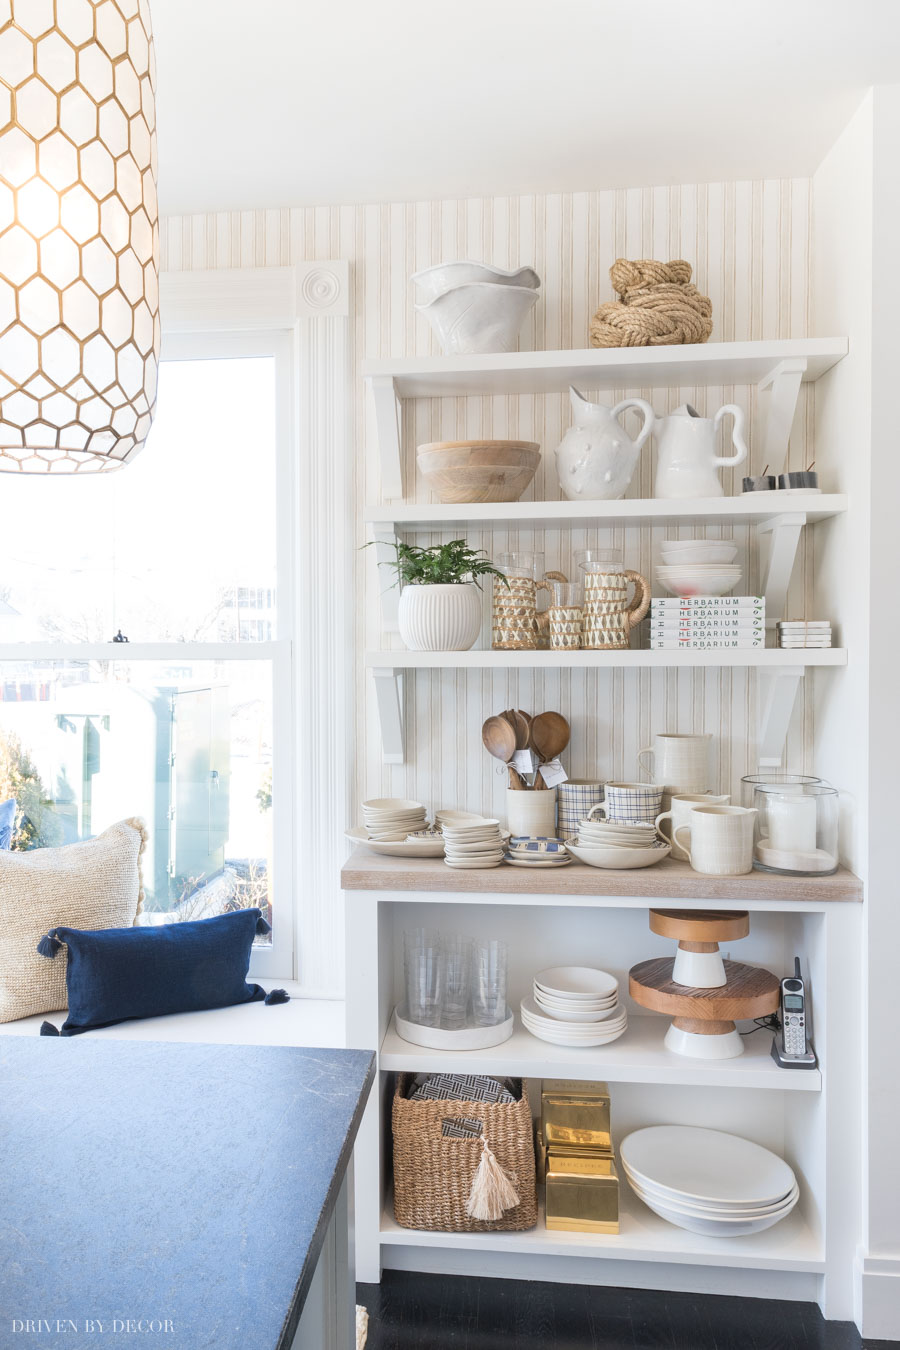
x=439, y=618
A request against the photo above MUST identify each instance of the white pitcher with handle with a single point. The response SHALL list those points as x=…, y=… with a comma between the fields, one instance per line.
x=596, y=458
x=686, y=451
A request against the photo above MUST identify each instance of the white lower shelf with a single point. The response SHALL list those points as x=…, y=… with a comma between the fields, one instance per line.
x=637, y=1057
x=644, y=1236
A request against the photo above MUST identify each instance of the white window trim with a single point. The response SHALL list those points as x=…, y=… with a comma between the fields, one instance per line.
x=301, y=316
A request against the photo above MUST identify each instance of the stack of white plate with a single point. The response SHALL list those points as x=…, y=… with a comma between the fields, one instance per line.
x=473, y=843
x=708, y=1181
x=618, y=844
x=392, y=818
x=574, y=1005
x=536, y=850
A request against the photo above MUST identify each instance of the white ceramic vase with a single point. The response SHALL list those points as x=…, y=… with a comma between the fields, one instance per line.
x=479, y=316
x=531, y=812
x=439, y=618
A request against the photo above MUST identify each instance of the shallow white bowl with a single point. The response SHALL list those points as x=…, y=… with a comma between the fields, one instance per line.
x=675, y=551
x=706, y=1167
x=721, y=1228
x=576, y=982
x=619, y=859
x=750, y=1211
x=573, y=1015
x=392, y=805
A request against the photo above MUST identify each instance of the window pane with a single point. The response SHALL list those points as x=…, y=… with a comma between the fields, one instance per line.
x=178, y=546
x=188, y=747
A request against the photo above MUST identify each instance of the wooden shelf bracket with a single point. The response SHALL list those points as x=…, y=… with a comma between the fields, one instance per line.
x=777, y=693
x=783, y=386
x=775, y=577
x=389, y=697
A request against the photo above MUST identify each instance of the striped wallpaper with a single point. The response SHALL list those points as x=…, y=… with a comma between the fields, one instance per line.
x=750, y=247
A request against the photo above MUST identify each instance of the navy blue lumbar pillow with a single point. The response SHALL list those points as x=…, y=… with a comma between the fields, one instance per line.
x=118, y=974
x=7, y=821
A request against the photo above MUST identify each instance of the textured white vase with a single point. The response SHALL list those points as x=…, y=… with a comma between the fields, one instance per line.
x=439, y=618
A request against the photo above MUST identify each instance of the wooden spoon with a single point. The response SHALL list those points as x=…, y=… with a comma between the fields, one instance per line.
x=550, y=734
x=523, y=728
x=499, y=738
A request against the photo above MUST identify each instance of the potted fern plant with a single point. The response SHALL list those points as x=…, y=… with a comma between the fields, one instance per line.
x=440, y=604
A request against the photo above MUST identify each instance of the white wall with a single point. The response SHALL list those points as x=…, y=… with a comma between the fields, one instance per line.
x=749, y=243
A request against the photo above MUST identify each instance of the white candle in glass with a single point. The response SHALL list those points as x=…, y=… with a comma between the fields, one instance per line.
x=792, y=823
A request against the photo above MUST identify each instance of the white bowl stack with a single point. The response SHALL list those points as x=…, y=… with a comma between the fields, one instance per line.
x=698, y=566
x=473, y=843
x=619, y=845
x=574, y=1006
x=388, y=819
x=707, y=1181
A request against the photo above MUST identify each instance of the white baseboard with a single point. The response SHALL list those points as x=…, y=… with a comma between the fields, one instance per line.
x=878, y=1297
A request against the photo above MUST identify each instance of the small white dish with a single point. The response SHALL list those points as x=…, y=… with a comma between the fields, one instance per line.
x=474, y=863
x=711, y=1227
x=573, y=1015
x=577, y=982
x=527, y=862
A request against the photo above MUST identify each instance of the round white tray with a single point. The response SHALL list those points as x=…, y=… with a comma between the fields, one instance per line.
x=470, y=1038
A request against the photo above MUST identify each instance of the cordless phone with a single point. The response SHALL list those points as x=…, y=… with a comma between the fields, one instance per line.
x=791, y=1048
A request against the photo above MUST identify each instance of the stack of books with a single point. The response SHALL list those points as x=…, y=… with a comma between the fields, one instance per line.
x=708, y=623
x=803, y=633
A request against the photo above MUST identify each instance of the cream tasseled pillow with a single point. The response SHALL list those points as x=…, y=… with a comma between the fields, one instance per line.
x=93, y=884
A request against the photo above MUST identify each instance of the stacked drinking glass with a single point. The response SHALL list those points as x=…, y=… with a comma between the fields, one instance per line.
x=453, y=981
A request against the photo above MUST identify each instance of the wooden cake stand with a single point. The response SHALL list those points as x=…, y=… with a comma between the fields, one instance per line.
x=703, y=1015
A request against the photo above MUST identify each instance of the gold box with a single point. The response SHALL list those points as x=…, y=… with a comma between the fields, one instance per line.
x=575, y=1113
x=582, y=1194
x=540, y=1155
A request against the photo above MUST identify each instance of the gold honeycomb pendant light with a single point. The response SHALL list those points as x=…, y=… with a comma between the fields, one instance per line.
x=79, y=235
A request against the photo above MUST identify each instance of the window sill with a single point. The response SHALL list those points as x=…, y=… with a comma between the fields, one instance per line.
x=303, y=1021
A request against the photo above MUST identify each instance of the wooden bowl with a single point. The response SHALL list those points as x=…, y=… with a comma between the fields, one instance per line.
x=479, y=471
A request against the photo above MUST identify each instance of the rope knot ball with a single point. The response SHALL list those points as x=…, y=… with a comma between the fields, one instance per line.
x=657, y=306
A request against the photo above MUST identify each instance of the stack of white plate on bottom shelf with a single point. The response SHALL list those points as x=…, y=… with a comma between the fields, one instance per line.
x=574, y=1005
x=473, y=843
x=708, y=1181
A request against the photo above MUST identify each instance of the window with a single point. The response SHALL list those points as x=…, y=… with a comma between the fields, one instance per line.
x=187, y=720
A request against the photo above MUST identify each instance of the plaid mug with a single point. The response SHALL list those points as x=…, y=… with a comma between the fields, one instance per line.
x=630, y=802
x=574, y=800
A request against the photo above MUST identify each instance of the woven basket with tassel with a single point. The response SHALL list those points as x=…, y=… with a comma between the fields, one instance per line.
x=439, y=1182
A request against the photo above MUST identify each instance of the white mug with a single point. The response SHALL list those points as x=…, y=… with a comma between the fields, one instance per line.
x=681, y=762
x=719, y=839
x=679, y=814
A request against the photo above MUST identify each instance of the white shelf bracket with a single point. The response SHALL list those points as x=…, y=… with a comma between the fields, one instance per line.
x=783, y=384
x=385, y=537
x=387, y=426
x=777, y=695
x=784, y=540
x=389, y=696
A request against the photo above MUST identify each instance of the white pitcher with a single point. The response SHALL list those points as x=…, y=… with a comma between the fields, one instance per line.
x=686, y=452
x=596, y=458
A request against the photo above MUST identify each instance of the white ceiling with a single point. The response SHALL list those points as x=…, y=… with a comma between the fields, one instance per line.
x=295, y=102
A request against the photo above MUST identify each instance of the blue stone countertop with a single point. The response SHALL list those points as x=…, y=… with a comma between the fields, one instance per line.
x=156, y=1181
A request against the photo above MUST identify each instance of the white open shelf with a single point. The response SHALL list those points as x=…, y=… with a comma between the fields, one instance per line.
x=643, y=1236
x=777, y=367
x=638, y=1057
x=750, y=508
x=693, y=366
x=771, y=658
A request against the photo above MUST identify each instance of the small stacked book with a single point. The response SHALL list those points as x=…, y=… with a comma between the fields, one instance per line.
x=803, y=633
x=708, y=622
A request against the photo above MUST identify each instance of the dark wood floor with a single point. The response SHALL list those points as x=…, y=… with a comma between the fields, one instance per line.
x=439, y=1312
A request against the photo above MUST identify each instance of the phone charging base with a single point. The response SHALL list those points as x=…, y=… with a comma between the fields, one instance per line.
x=805, y=1061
